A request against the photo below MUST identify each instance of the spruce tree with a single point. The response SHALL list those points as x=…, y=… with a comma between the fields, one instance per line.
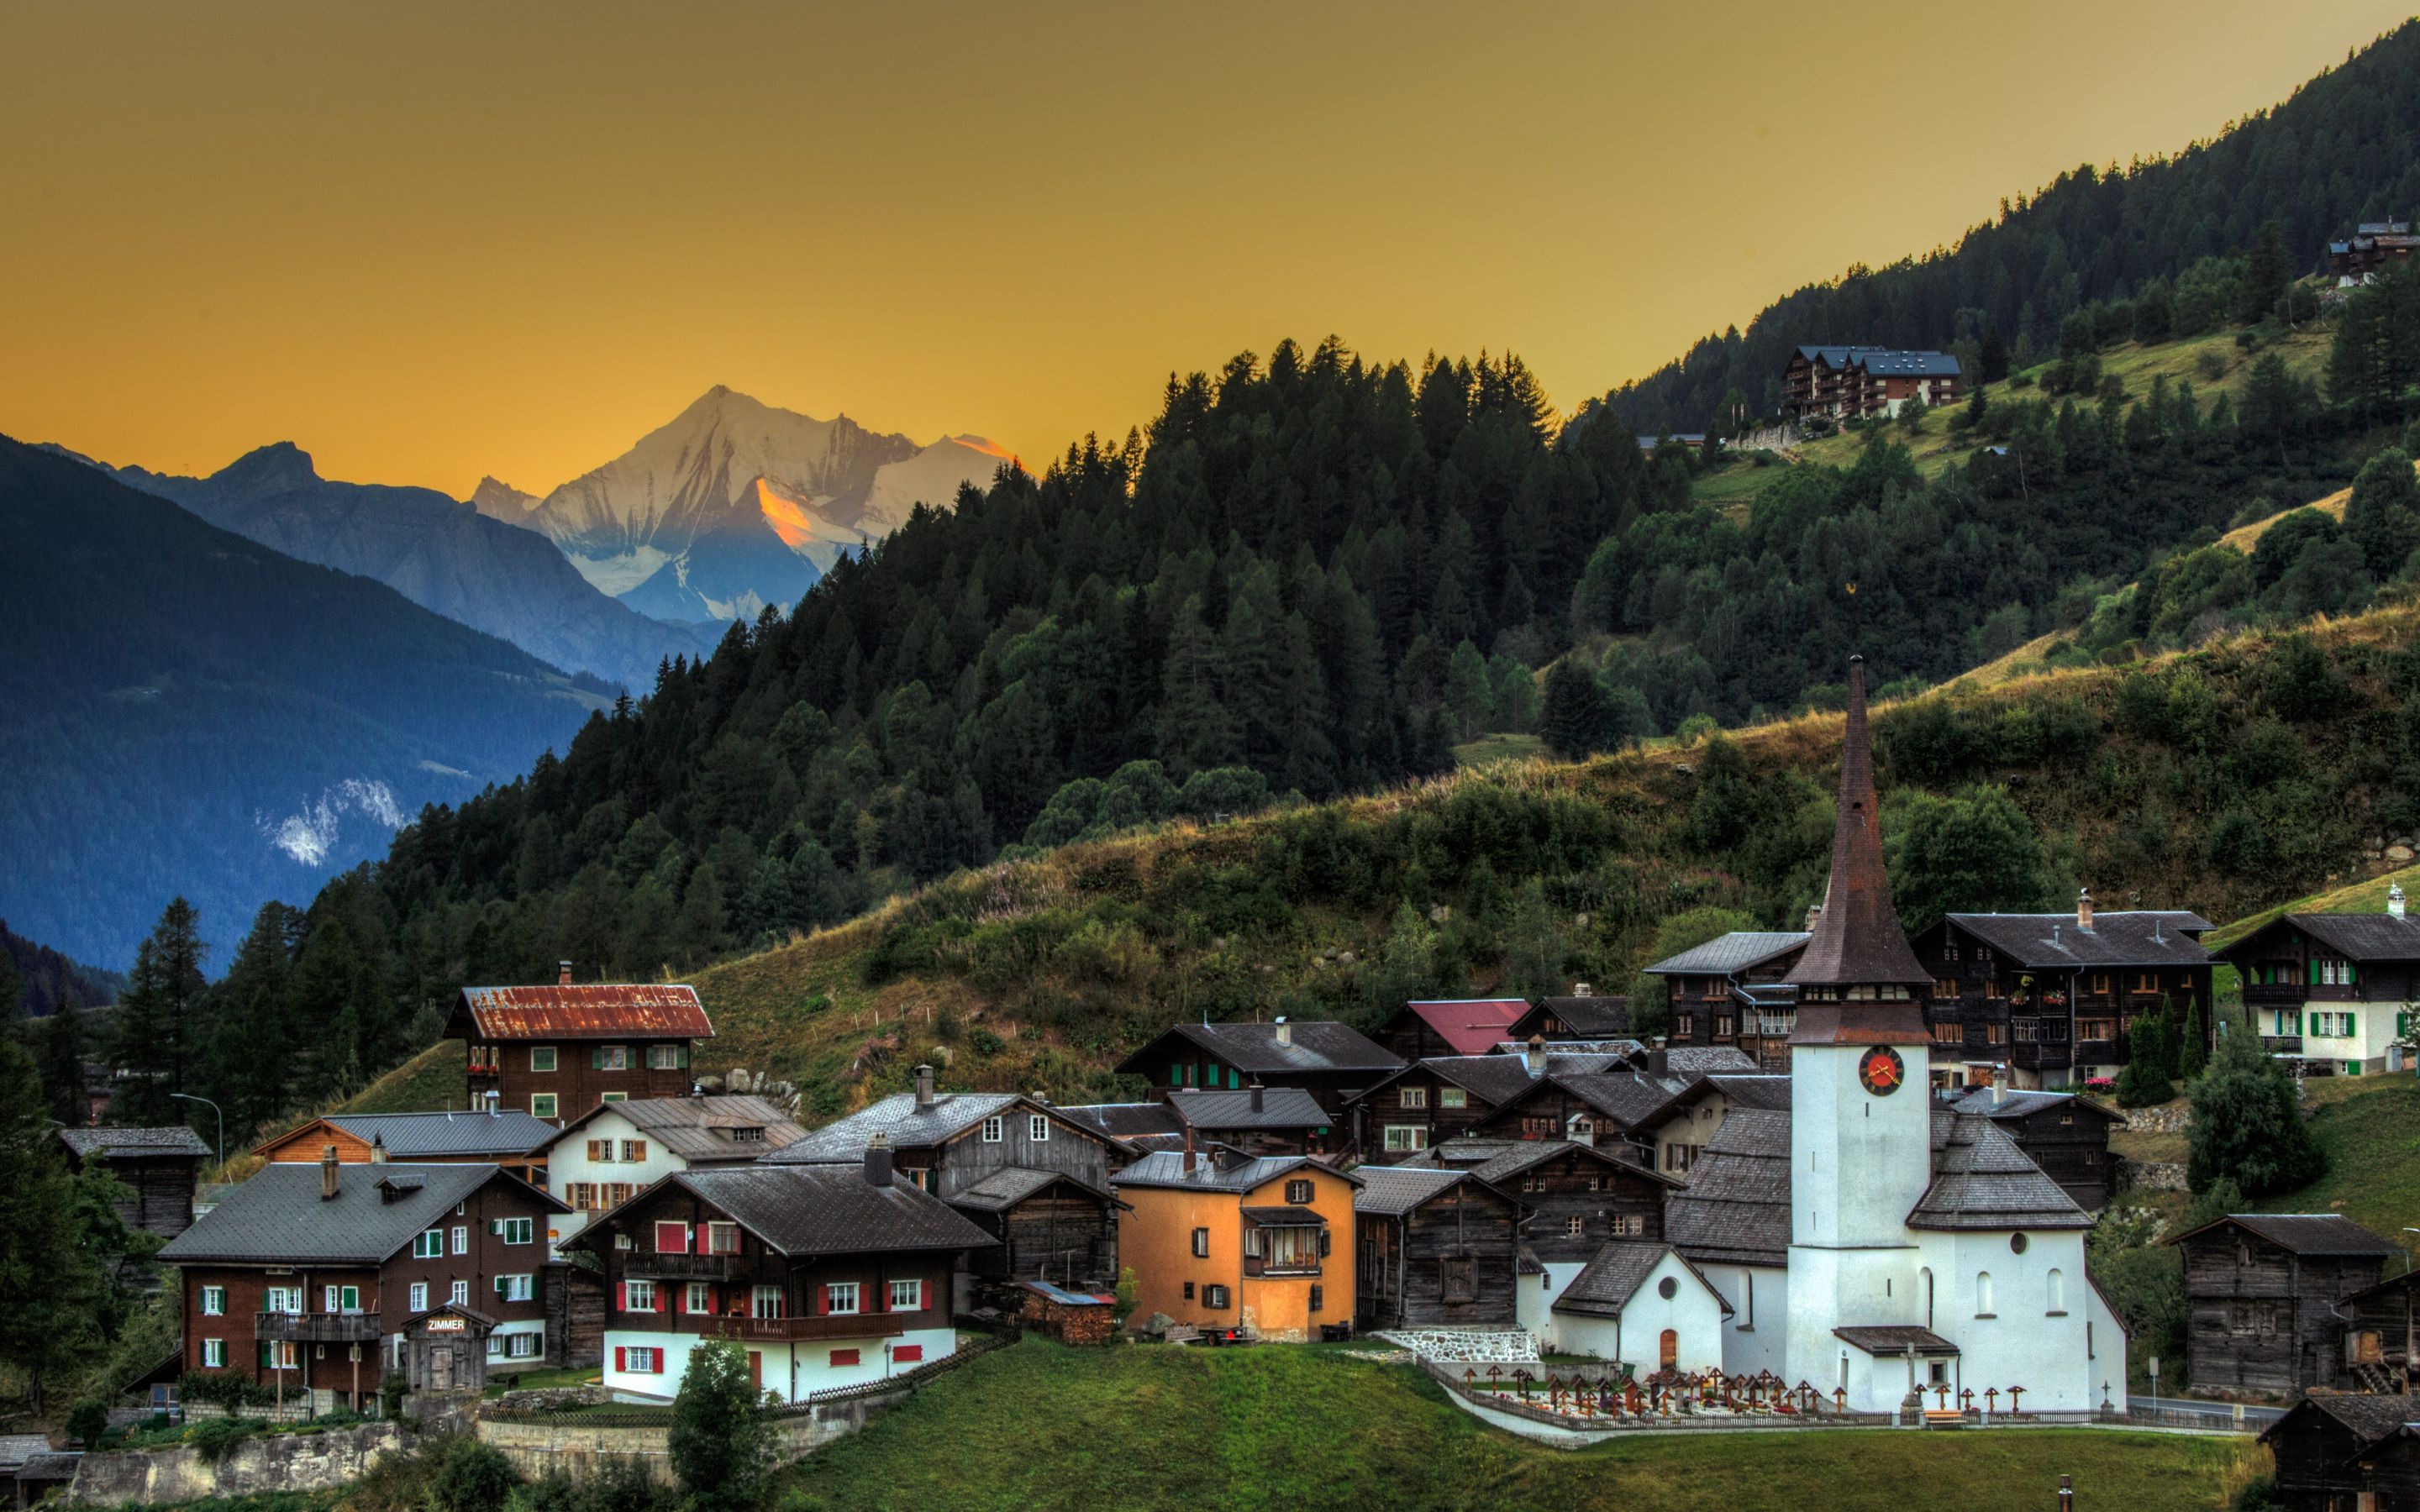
x=51, y=1293
x=2192, y=1053
x=154, y=1042
x=2384, y=514
x=2266, y=275
x=2247, y=1127
x=62, y=1045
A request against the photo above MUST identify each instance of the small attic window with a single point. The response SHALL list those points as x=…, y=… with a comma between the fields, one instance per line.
x=753, y=1136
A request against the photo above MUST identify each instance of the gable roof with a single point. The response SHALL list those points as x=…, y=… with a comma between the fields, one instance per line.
x=1735, y=1209
x=1744, y=1091
x=1166, y=1168
x=279, y=1218
x=1735, y=951
x=1856, y=939
x=1392, y=1191
x=2362, y=936
x=2371, y=1418
x=409, y=1136
x=1836, y=355
x=1011, y=1184
x=1495, y=1079
x=1628, y=1097
x=1282, y=1107
x=593, y=1010
x=1981, y=1179
x=2144, y=937
x=1498, y=1161
x=2304, y=1233
x=2017, y=1105
x=1681, y=1062
x=821, y=1209
x=1317, y=1047
x=699, y=1128
x=1597, y=1017
x=1469, y=1024
x=1911, y=364
x=1127, y=1120
x=131, y=1144
x=1608, y=1283
x=898, y=1118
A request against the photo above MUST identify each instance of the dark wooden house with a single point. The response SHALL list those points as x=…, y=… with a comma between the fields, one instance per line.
x=1330, y=1061
x=160, y=1165
x=1686, y=1125
x=1617, y=1110
x=2347, y=1453
x=1436, y=1100
x=1030, y=1174
x=1578, y=1198
x=1258, y=1120
x=556, y=1052
x=2050, y=997
x=2067, y=1135
x=2261, y=1292
x=1729, y=992
x=1848, y=381
x=2381, y=1333
x=2335, y=988
x=1436, y=1247
x=312, y=1279
x=1588, y=1017
x=1450, y=1026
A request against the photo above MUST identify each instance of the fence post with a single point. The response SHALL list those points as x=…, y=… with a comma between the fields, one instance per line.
x=2067, y=1493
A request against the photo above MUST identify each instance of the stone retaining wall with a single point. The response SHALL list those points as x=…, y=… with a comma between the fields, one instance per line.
x=2159, y=1121
x=265, y=1462
x=2150, y=1176
x=562, y=1446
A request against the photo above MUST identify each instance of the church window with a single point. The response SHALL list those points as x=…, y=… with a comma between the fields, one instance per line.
x=2059, y=1292
x=1983, y=1294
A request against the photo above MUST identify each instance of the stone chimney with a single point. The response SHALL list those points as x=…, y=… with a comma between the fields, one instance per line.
x=1256, y=1095
x=1042, y=1095
x=1534, y=1057
x=328, y=1169
x=2394, y=899
x=2000, y=1083
x=1285, y=1032
x=378, y=1149
x=877, y=1161
x=563, y=973
x=1189, y=1146
x=2084, y=908
x=1583, y=989
x=923, y=1086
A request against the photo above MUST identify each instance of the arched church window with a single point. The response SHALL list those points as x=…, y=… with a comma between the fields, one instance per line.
x=1982, y=1293
x=2057, y=1292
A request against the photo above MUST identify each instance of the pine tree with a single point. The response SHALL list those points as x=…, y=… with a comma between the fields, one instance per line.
x=1576, y=713
x=62, y=1042
x=2384, y=514
x=2193, y=1055
x=154, y=1041
x=51, y=1292
x=2246, y=1126
x=2266, y=275
x=1995, y=355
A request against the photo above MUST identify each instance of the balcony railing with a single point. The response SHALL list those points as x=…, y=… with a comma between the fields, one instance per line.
x=792, y=1330
x=2282, y=995
x=688, y=1267
x=316, y=1328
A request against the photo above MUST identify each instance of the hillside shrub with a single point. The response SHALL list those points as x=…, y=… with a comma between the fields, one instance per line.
x=719, y=1446
x=2246, y=1126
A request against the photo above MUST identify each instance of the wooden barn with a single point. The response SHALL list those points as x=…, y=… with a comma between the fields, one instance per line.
x=161, y=1166
x=2342, y=1453
x=1434, y=1101
x=1436, y=1247
x=2261, y=1290
x=2067, y=1135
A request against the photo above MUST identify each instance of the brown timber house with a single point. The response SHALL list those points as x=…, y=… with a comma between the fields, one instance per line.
x=2261, y=1292
x=1435, y=1248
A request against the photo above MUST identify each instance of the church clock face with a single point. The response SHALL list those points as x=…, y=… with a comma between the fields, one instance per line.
x=1881, y=1070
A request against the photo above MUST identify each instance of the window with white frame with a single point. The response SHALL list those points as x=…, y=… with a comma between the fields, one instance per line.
x=518, y=1231
x=610, y=1058
x=214, y=1301
x=839, y=1297
x=428, y=1245
x=638, y=1296
x=515, y=1288
x=282, y=1299
x=907, y=1296
x=543, y=1104
x=340, y=1299
x=420, y=1296
x=2332, y=1025
x=767, y=1302
x=1406, y=1137
x=722, y=1238
x=213, y=1354
x=1412, y=1097
x=1452, y=1097
x=667, y=1056
x=524, y=1346
x=634, y=1150
x=459, y=1294
x=1201, y=1243
x=1037, y=1128
x=993, y=1130
x=280, y=1354
x=644, y=1361
x=541, y=1057
x=700, y=1298
x=461, y=1238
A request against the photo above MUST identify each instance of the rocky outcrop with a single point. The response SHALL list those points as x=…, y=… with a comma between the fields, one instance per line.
x=306, y=1462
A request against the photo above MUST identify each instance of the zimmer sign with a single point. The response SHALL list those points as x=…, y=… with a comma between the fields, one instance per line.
x=446, y=1325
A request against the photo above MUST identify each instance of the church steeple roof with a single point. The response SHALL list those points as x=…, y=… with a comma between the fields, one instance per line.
x=1856, y=939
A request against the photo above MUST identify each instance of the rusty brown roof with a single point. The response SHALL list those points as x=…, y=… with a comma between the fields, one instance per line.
x=1857, y=939
x=590, y=1010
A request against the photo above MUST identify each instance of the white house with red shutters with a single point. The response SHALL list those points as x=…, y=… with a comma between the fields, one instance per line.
x=829, y=1275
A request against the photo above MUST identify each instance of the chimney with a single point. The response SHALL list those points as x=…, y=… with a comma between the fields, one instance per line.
x=1814, y=912
x=1999, y=1084
x=877, y=1161
x=1285, y=1032
x=2394, y=899
x=326, y=1173
x=378, y=1149
x=2084, y=908
x=563, y=973
x=1535, y=1057
x=1042, y=1095
x=923, y=1086
x=1659, y=1063
x=1189, y=1146
x=1583, y=989
x=1256, y=1095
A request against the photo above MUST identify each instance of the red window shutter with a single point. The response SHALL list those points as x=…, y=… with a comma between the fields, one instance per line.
x=621, y=1358
x=844, y=1357
x=621, y=1303
x=823, y=1301
x=906, y=1353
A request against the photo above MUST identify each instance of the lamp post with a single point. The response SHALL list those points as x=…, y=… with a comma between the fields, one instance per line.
x=222, y=1117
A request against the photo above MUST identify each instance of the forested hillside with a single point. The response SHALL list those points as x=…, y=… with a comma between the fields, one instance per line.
x=2345, y=148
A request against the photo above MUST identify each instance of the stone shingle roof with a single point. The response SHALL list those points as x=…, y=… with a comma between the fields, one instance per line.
x=1686, y=1060
x=1614, y=1276
x=1282, y=1107
x=1496, y=1080
x=1392, y=1191
x=1317, y=1047
x=409, y=1136
x=830, y=1210
x=1127, y=1120
x=1498, y=1161
x=898, y=1119
x=1735, y=951
x=1166, y=1168
x=2045, y=942
x=1735, y=1208
x=1011, y=1184
x=1598, y=1017
x=2017, y=1105
x=1982, y=1181
x=2372, y=1418
x=129, y=1144
x=701, y=1128
x=2363, y=936
x=2304, y=1233
x=279, y=1218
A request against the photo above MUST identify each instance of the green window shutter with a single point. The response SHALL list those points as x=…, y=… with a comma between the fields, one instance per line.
x=2352, y=1028
x=684, y=1057
x=2314, y=974
x=596, y=1059
x=1176, y=1074
x=1235, y=1078
x=2353, y=973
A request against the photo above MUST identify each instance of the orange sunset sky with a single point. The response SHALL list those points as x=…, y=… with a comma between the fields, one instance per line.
x=431, y=241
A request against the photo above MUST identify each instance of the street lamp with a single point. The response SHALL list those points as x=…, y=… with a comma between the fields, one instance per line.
x=222, y=1117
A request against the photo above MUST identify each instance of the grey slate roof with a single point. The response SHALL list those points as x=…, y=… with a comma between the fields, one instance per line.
x=1498, y=1161
x=1495, y=1079
x=278, y=1217
x=2372, y=1418
x=1735, y=1208
x=1911, y=364
x=1836, y=355
x=126, y=1143
x=1687, y=1060
x=1166, y=1168
x=700, y=1128
x=1888, y=1339
x=1127, y=1120
x=1392, y=1191
x=16, y=1448
x=1612, y=1279
x=1318, y=1046
x=1749, y=1091
x=2363, y=936
x=1011, y=1184
x=1282, y=1107
x=2048, y=941
x=828, y=1209
x=1626, y=1097
x=1735, y=951
x=1599, y=1016
x=1617, y=1048
x=2306, y=1233
x=417, y=1135
x=899, y=1119
x=1982, y=1181
x=2016, y=1104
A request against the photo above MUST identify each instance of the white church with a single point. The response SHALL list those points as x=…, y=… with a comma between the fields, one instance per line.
x=1867, y=1241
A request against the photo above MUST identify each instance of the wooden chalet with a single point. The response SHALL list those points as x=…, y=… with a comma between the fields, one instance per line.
x=160, y=1165
x=313, y=1279
x=829, y=1275
x=2347, y=1453
x=1330, y=1061
x=495, y=1138
x=1436, y=1247
x=1846, y=383
x=1239, y=1246
x=1030, y=1176
x=1730, y=992
x=2261, y=1292
x=2050, y=997
x=2067, y=1135
x=606, y=1156
x=2381, y=1333
x=1258, y=1120
x=1450, y=1026
x=1433, y=1100
x=555, y=1052
x=2335, y=989
x=1583, y=1017
x=1579, y=1199
x=2374, y=247
x=1616, y=1109
x=1690, y=1121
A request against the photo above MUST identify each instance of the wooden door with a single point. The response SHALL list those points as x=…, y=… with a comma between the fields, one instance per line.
x=1667, y=1349
x=441, y=1368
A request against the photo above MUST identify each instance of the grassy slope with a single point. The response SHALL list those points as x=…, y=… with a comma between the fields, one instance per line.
x=1044, y=1427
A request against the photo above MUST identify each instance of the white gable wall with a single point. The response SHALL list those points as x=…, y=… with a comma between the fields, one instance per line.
x=568, y=1163
x=1694, y=1314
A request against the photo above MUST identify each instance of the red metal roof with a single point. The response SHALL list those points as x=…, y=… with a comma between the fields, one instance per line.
x=1471, y=1026
x=595, y=1011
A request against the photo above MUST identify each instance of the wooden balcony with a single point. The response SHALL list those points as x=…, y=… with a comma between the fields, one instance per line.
x=689, y=1266
x=316, y=1328
x=2282, y=995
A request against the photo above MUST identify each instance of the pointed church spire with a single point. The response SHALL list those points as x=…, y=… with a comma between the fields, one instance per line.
x=1857, y=940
